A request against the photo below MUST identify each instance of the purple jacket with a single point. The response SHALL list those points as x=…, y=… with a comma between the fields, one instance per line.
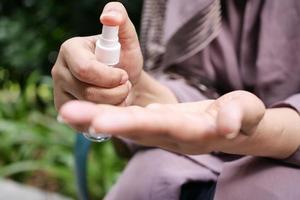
x=257, y=48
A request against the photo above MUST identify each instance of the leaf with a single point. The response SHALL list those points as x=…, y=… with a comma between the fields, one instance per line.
x=21, y=166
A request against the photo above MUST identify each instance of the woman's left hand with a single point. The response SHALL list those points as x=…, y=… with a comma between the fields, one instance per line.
x=226, y=124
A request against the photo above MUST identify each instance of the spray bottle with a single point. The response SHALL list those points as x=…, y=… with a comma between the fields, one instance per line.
x=107, y=51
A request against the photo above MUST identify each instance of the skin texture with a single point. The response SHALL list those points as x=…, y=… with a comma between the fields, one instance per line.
x=237, y=122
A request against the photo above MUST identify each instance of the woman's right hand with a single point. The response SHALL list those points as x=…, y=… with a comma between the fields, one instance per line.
x=78, y=75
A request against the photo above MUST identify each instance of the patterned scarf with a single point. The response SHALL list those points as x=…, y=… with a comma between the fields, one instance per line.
x=203, y=27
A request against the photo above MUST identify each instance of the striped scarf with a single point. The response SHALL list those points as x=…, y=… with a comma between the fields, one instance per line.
x=192, y=37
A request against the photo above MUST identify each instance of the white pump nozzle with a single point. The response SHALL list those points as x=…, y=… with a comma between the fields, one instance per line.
x=107, y=46
x=110, y=32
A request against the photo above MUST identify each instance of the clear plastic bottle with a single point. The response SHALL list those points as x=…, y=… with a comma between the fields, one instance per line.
x=107, y=51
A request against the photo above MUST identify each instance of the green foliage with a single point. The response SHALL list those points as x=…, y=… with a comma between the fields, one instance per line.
x=34, y=148
x=31, y=31
x=32, y=141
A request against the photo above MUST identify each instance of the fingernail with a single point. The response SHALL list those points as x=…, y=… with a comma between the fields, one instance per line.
x=124, y=79
x=111, y=13
x=60, y=119
x=231, y=136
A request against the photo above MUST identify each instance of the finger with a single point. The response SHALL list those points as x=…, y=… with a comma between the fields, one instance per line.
x=115, y=14
x=78, y=56
x=82, y=91
x=229, y=119
x=78, y=113
x=94, y=94
x=240, y=111
x=146, y=125
x=168, y=130
x=62, y=77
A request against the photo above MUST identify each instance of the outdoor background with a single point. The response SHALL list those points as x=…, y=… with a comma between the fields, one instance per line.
x=34, y=148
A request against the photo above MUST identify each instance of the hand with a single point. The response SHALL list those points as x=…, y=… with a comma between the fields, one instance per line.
x=227, y=124
x=78, y=75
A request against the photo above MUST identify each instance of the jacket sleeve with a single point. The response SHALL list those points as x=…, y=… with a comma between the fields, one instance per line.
x=292, y=102
x=184, y=89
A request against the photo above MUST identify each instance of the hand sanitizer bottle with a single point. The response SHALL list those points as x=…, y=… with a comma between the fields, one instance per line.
x=107, y=51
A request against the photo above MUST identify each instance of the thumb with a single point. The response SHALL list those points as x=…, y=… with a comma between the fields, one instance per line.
x=115, y=14
x=229, y=119
x=239, y=111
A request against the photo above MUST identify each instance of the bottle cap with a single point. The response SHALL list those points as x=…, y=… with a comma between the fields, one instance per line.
x=108, y=47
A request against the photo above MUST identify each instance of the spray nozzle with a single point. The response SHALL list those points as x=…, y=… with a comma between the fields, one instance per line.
x=108, y=47
x=107, y=51
x=110, y=32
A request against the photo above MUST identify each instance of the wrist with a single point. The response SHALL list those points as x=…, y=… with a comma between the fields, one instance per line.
x=289, y=134
x=277, y=135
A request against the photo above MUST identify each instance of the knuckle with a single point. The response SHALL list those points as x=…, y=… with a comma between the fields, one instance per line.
x=82, y=70
x=66, y=45
x=54, y=72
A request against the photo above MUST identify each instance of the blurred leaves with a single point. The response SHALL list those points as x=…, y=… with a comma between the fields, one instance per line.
x=31, y=139
x=36, y=149
x=31, y=31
